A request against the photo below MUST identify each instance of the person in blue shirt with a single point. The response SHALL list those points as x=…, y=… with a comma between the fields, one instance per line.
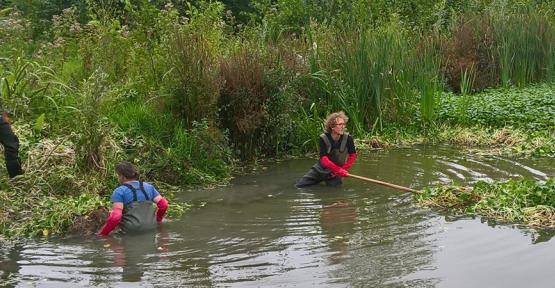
x=133, y=209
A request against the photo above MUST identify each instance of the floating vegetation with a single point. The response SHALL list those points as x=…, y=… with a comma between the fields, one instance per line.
x=517, y=201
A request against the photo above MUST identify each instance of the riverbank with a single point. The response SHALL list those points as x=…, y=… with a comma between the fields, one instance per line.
x=517, y=122
x=55, y=193
x=194, y=93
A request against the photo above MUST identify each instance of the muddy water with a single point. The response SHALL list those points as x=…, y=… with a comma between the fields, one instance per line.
x=263, y=232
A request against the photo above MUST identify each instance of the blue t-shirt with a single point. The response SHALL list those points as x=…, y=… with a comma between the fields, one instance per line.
x=125, y=195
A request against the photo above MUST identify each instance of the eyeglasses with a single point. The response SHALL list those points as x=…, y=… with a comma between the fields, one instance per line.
x=338, y=124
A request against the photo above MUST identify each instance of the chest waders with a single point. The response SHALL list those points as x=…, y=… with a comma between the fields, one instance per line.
x=337, y=156
x=11, y=147
x=318, y=172
x=138, y=216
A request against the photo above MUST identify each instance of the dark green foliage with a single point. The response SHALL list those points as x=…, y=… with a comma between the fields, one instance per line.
x=192, y=73
x=531, y=108
x=200, y=154
x=279, y=133
x=470, y=56
x=94, y=126
x=256, y=104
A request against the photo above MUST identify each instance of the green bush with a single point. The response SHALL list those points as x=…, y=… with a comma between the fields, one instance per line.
x=200, y=154
x=192, y=82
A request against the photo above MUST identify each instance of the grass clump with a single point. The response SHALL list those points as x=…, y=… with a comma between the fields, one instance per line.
x=516, y=201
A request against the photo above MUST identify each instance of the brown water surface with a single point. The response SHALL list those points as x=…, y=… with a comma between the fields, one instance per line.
x=262, y=232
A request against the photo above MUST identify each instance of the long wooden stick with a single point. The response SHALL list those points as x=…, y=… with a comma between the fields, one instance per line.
x=384, y=183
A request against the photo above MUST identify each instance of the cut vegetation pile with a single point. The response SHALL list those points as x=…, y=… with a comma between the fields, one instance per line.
x=515, y=201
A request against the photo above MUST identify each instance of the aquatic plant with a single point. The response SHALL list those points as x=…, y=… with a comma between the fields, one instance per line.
x=524, y=42
x=532, y=108
x=516, y=201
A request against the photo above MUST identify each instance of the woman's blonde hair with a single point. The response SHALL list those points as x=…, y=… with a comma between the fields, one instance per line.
x=332, y=118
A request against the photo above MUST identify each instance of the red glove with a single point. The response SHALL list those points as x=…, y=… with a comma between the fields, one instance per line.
x=162, y=207
x=350, y=161
x=111, y=222
x=335, y=170
x=342, y=172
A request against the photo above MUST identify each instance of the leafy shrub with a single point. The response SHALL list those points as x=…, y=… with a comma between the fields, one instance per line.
x=192, y=81
x=469, y=53
x=243, y=101
x=90, y=142
x=200, y=154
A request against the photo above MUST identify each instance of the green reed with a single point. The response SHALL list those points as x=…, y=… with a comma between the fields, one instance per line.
x=384, y=76
x=525, y=47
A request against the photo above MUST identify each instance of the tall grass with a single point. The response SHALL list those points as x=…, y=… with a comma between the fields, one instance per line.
x=467, y=83
x=142, y=118
x=427, y=78
x=192, y=52
x=90, y=143
x=384, y=75
x=372, y=64
x=243, y=100
x=310, y=125
x=525, y=46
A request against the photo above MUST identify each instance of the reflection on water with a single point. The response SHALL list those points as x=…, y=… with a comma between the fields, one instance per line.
x=9, y=263
x=261, y=231
x=132, y=251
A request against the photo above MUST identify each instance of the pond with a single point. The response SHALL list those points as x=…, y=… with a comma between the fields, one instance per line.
x=263, y=232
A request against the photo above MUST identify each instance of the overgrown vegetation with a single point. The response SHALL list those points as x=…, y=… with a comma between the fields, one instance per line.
x=187, y=90
x=515, y=201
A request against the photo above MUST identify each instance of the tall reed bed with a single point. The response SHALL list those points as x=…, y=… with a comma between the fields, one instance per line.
x=500, y=47
x=525, y=47
x=384, y=75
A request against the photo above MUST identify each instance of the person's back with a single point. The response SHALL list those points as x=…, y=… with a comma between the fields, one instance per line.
x=138, y=209
x=133, y=203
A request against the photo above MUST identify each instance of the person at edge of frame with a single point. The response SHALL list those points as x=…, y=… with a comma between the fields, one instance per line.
x=337, y=153
x=133, y=209
x=11, y=146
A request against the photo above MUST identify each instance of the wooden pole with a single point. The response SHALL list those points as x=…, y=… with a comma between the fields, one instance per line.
x=384, y=183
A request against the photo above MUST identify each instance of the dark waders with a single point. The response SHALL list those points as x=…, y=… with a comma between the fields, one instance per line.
x=11, y=148
x=318, y=172
x=138, y=216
